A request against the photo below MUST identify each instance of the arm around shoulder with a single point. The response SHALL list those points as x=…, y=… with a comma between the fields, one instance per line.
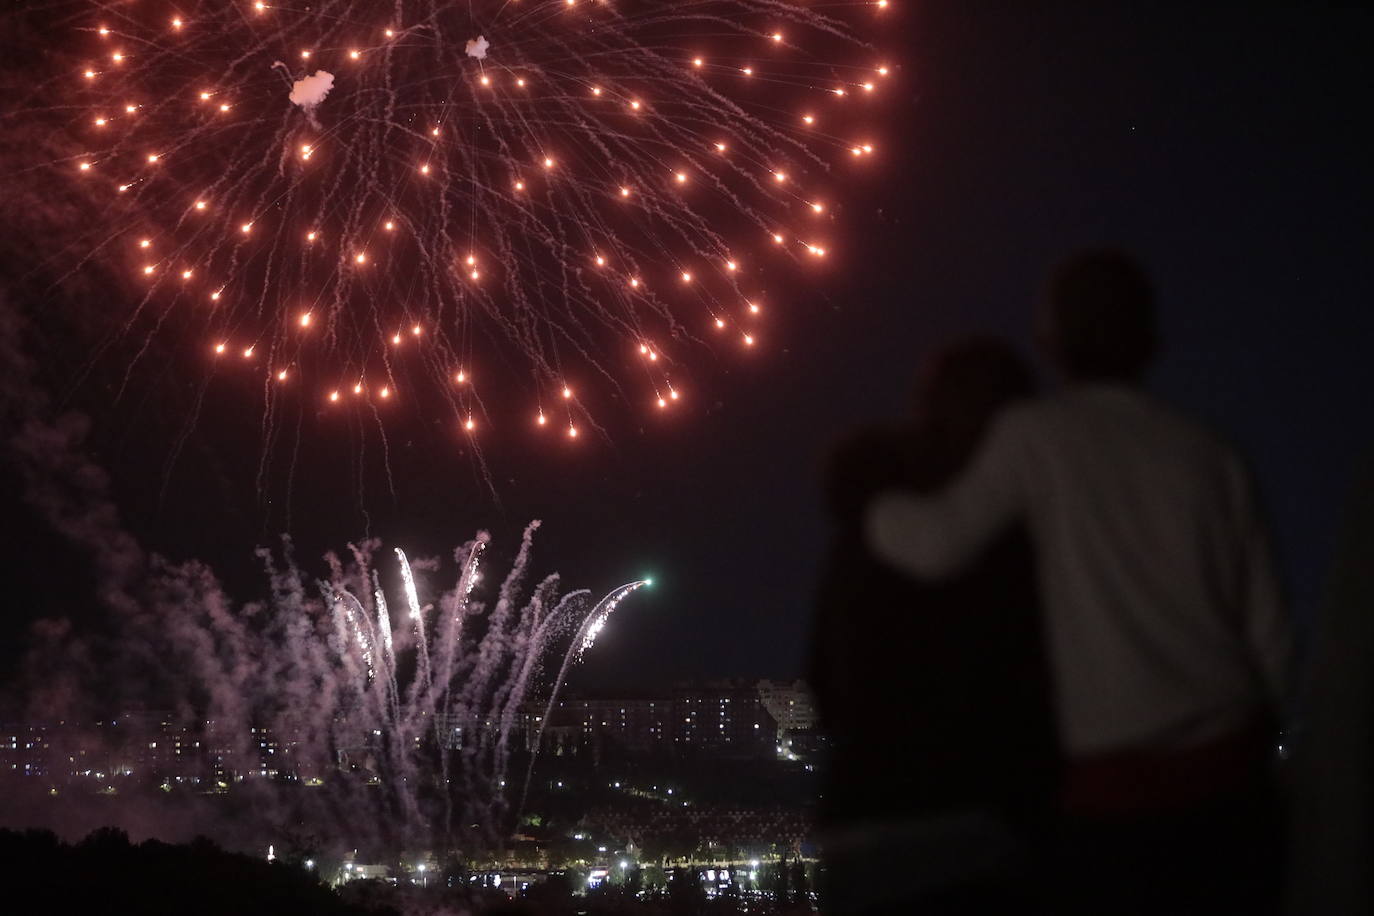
x=937, y=535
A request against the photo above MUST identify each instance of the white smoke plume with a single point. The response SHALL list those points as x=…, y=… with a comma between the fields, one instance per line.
x=477, y=47
x=308, y=92
x=57, y=472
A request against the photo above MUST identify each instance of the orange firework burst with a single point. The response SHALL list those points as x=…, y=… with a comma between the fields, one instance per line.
x=577, y=190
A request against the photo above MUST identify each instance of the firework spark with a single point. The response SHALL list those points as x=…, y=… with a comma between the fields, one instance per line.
x=380, y=200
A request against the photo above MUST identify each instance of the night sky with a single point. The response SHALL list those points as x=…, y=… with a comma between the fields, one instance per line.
x=1224, y=149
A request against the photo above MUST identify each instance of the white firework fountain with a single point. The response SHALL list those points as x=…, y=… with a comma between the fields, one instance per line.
x=396, y=730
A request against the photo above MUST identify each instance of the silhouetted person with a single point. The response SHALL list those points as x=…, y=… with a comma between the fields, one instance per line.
x=936, y=697
x=1167, y=635
x=1333, y=763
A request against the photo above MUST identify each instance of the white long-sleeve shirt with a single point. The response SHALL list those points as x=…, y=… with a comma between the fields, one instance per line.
x=1164, y=619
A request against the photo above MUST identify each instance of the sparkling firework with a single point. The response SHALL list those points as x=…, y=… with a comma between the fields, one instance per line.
x=583, y=639
x=403, y=724
x=356, y=202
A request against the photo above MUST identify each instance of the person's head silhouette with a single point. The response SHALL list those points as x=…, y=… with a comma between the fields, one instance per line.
x=1097, y=319
x=963, y=384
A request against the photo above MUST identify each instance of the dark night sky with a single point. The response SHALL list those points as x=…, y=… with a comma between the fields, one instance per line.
x=1225, y=149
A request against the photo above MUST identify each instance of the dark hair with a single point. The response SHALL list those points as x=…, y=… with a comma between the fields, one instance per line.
x=1097, y=320
x=963, y=384
x=960, y=389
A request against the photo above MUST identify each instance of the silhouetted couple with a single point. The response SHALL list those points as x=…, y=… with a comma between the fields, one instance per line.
x=1050, y=644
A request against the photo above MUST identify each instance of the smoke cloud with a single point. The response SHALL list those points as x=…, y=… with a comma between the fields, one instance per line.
x=477, y=47
x=311, y=90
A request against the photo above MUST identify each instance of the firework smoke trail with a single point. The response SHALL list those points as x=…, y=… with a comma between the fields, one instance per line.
x=356, y=204
x=422, y=685
x=592, y=625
